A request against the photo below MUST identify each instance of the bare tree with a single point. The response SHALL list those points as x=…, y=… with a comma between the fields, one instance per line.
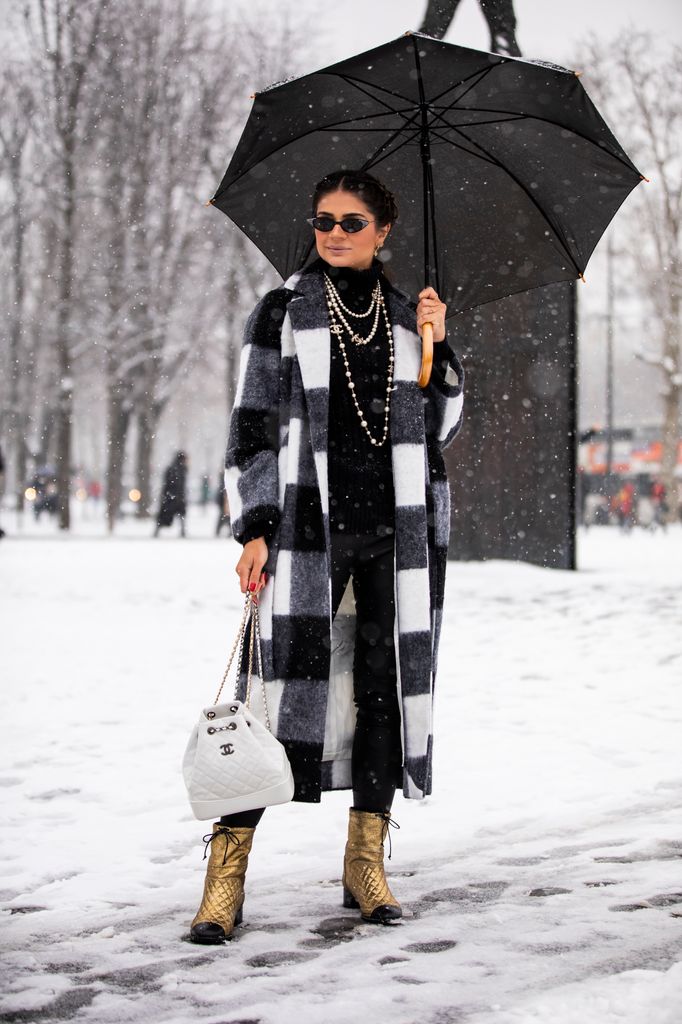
x=63, y=36
x=639, y=90
x=15, y=146
x=135, y=287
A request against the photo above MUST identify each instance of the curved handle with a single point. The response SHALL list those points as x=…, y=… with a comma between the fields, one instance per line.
x=427, y=355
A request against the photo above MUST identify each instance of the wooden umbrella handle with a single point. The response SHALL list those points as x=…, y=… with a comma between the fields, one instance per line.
x=427, y=355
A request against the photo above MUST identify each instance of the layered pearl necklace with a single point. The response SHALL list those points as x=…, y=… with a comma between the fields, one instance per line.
x=337, y=325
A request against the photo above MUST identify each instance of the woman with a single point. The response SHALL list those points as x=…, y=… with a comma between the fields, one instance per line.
x=334, y=472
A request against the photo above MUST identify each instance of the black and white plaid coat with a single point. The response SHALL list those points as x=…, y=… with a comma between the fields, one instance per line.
x=276, y=472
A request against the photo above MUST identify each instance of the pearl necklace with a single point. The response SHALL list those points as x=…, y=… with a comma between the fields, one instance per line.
x=337, y=329
x=334, y=290
x=334, y=300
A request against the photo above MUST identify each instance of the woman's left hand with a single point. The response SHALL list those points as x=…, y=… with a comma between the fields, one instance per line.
x=430, y=310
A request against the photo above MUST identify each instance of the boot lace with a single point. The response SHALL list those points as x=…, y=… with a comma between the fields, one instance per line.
x=388, y=821
x=230, y=837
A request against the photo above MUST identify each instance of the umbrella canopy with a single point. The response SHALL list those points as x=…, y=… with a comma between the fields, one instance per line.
x=505, y=174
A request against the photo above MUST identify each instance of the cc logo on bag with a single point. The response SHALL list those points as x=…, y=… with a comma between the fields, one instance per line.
x=227, y=748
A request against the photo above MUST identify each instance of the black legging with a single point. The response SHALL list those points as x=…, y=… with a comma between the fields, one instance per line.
x=376, y=763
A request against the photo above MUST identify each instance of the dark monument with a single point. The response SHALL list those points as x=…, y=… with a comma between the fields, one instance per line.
x=512, y=469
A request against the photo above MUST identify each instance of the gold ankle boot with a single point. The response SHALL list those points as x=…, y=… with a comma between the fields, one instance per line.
x=223, y=899
x=364, y=882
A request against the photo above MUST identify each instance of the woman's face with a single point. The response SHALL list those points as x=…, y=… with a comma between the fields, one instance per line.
x=341, y=248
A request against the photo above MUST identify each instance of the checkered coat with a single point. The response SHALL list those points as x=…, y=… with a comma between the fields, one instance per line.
x=276, y=472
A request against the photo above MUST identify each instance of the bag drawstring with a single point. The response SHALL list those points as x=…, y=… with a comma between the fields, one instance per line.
x=388, y=821
x=230, y=837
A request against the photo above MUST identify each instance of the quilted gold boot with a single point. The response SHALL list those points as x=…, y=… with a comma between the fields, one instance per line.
x=364, y=882
x=223, y=899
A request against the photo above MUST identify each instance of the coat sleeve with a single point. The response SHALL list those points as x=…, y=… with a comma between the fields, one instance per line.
x=251, y=473
x=444, y=395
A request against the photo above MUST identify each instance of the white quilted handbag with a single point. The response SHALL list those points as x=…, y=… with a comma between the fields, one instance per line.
x=233, y=762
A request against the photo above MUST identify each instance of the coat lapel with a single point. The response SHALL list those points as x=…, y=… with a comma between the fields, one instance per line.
x=312, y=342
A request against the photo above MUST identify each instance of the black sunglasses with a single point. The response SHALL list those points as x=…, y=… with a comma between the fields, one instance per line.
x=349, y=224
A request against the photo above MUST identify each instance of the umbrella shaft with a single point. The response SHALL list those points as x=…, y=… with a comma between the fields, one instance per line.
x=430, y=269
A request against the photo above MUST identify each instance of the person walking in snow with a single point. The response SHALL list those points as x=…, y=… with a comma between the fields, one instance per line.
x=173, y=494
x=2, y=485
x=223, y=508
x=351, y=488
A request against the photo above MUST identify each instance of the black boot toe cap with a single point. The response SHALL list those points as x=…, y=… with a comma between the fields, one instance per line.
x=385, y=914
x=207, y=933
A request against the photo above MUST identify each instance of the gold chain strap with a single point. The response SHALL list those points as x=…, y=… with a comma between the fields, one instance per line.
x=250, y=614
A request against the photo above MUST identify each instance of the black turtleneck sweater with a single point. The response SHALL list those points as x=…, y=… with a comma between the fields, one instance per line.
x=360, y=473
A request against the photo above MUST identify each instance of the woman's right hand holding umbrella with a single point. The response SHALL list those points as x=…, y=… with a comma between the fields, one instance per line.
x=250, y=565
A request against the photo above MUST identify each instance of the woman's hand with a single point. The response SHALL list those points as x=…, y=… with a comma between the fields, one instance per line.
x=250, y=565
x=430, y=310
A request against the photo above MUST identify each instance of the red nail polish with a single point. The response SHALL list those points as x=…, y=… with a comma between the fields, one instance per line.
x=252, y=586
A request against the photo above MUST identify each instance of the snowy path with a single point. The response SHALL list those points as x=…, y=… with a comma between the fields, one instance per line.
x=557, y=768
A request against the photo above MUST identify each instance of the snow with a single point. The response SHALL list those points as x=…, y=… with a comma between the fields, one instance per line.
x=556, y=768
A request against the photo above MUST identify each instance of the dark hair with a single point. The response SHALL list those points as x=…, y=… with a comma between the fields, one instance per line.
x=369, y=189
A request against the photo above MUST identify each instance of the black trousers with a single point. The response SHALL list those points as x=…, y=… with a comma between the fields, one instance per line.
x=376, y=763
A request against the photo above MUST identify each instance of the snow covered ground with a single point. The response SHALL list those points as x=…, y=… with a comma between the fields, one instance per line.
x=541, y=883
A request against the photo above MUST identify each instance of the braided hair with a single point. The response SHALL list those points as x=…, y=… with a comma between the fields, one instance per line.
x=373, y=193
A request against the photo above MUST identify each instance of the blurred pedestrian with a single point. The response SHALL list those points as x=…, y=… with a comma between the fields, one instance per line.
x=173, y=494
x=659, y=498
x=205, y=493
x=44, y=483
x=625, y=506
x=223, y=508
x=2, y=486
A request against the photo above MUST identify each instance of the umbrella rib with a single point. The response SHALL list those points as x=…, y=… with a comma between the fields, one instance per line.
x=373, y=160
x=482, y=72
x=380, y=88
x=519, y=116
x=458, y=145
x=382, y=130
x=365, y=117
x=555, y=228
x=475, y=124
x=335, y=126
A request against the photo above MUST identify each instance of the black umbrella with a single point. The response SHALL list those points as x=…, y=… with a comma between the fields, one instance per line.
x=505, y=174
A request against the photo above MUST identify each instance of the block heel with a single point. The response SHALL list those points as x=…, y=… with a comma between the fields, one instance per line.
x=349, y=900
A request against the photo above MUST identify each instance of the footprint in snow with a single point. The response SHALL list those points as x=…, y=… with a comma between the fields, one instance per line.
x=279, y=959
x=333, y=930
x=549, y=890
x=52, y=794
x=435, y=946
x=521, y=862
x=670, y=849
x=475, y=892
x=665, y=899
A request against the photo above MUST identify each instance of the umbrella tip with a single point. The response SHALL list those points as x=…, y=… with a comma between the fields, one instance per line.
x=252, y=96
x=577, y=74
x=582, y=278
x=408, y=33
x=209, y=202
x=644, y=178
